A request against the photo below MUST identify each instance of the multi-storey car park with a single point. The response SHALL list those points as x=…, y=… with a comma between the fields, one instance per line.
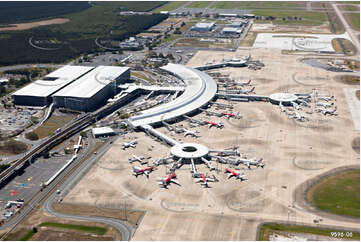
x=93, y=89
x=39, y=93
x=74, y=87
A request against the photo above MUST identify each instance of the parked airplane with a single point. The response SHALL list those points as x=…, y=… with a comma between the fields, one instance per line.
x=164, y=182
x=326, y=98
x=130, y=144
x=137, y=158
x=233, y=151
x=235, y=174
x=244, y=83
x=247, y=91
x=296, y=106
x=252, y=162
x=324, y=105
x=204, y=181
x=282, y=107
x=191, y=133
x=211, y=124
x=299, y=117
x=140, y=171
x=327, y=111
x=233, y=115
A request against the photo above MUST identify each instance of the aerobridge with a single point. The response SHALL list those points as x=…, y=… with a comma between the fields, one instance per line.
x=243, y=98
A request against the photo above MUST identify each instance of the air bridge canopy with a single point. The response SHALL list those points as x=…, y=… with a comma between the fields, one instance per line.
x=200, y=89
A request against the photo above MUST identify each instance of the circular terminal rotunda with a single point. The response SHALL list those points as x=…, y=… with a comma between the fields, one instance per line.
x=285, y=98
x=188, y=151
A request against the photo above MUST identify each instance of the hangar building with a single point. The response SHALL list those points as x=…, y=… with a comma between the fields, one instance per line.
x=39, y=93
x=93, y=89
x=203, y=27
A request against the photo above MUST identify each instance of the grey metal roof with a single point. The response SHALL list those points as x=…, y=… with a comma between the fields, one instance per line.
x=44, y=88
x=92, y=82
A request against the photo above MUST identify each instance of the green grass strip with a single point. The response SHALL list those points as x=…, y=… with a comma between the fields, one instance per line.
x=28, y=235
x=303, y=229
x=91, y=229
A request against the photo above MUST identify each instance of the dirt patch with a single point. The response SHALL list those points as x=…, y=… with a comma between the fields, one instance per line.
x=31, y=25
x=347, y=45
x=348, y=79
x=356, y=145
x=132, y=217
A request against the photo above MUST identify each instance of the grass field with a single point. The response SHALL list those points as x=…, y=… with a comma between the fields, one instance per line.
x=351, y=80
x=83, y=228
x=170, y=6
x=52, y=124
x=258, y=4
x=201, y=4
x=349, y=8
x=142, y=76
x=354, y=20
x=339, y=194
x=308, y=18
x=348, y=46
x=28, y=235
x=249, y=39
x=267, y=229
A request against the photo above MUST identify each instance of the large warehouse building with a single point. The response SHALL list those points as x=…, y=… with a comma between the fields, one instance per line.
x=203, y=27
x=93, y=89
x=39, y=93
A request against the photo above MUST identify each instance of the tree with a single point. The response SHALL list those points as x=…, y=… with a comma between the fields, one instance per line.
x=170, y=56
x=83, y=134
x=32, y=136
x=177, y=31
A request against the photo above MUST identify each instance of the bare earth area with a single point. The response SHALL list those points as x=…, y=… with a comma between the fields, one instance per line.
x=31, y=25
x=231, y=210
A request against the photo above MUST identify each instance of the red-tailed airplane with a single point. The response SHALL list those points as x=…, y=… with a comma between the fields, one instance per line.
x=247, y=91
x=232, y=115
x=164, y=182
x=140, y=171
x=211, y=124
x=204, y=181
x=244, y=83
x=235, y=174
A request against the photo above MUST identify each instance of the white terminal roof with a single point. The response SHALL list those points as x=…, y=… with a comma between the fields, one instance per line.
x=200, y=89
x=205, y=25
x=102, y=130
x=230, y=29
x=92, y=82
x=45, y=88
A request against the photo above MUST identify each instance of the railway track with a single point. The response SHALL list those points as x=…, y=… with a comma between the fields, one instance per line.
x=68, y=131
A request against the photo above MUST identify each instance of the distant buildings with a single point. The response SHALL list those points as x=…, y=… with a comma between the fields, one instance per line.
x=230, y=30
x=203, y=27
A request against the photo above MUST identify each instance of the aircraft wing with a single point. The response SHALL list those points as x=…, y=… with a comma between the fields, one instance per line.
x=175, y=182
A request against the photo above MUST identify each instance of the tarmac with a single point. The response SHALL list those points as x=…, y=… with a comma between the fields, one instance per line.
x=231, y=210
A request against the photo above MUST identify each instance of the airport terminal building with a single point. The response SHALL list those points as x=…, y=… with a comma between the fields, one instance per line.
x=92, y=90
x=39, y=93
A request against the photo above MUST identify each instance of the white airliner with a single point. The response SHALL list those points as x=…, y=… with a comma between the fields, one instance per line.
x=132, y=144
